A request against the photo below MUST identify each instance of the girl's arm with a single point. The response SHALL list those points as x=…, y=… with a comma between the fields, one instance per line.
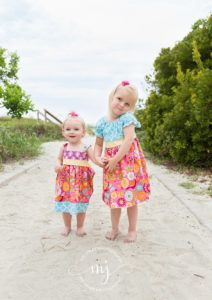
x=98, y=151
x=59, y=161
x=91, y=156
x=129, y=135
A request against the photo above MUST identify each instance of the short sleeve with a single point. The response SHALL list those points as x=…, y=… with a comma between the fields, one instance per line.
x=128, y=119
x=98, y=130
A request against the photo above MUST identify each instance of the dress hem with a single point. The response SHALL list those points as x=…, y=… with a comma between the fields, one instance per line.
x=140, y=202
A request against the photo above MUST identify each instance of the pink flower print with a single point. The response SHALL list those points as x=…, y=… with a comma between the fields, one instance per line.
x=121, y=202
x=146, y=176
x=146, y=188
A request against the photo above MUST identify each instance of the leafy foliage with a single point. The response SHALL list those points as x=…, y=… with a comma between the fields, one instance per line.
x=177, y=115
x=12, y=97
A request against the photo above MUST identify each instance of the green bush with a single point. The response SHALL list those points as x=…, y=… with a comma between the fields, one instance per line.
x=18, y=144
x=49, y=131
x=177, y=115
x=22, y=138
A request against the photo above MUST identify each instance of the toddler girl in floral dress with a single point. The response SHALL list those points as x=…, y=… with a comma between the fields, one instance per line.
x=74, y=182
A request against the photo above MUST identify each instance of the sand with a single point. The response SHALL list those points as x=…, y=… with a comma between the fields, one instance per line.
x=172, y=258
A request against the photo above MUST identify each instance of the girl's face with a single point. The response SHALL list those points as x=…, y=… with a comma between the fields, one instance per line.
x=122, y=102
x=73, y=131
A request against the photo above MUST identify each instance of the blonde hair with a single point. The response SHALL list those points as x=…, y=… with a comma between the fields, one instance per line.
x=73, y=116
x=128, y=87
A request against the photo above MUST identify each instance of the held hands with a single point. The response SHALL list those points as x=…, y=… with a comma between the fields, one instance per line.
x=111, y=163
x=108, y=163
x=100, y=161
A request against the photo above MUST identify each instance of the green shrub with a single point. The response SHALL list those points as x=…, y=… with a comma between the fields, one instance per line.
x=18, y=144
x=22, y=138
x=49, y=131
x=177, y=116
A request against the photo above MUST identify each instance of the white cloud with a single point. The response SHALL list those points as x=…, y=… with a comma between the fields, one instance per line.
x=77, y=51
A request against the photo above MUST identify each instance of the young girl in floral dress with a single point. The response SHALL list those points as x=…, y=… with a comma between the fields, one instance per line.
x=74, y=182
x=125, y=178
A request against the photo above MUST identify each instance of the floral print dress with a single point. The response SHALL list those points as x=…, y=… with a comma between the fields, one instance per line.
x=74, y=184
x=128, y=184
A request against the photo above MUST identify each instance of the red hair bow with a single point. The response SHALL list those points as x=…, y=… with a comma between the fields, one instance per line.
x=125, y=83
x=73, y=114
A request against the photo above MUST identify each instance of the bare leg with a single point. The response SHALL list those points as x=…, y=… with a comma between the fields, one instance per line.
x=115, y=214
x=80, y=223
x=132, y=213
x=67, y=222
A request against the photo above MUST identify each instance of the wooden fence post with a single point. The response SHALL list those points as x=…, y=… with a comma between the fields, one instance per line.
x=45, y=117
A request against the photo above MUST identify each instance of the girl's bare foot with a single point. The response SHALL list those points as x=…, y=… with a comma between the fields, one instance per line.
x=66, y=231
x=81, y=232
x=112, y=235
x=131, y=237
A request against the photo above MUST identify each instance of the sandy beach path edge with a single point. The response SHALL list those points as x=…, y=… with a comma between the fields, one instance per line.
x=171, y=259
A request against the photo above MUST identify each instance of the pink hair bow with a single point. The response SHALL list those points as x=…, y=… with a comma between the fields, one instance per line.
x=73, y=114
x=125, y=83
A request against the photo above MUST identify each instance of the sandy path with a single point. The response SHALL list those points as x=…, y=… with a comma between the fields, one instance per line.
x=171, y=260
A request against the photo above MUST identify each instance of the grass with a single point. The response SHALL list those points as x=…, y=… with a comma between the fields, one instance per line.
x=209, y=190
x=203, y=191
x=45, y=131
x=194, y=178
x=206, y=191
x=22, y=138
x=187, y=185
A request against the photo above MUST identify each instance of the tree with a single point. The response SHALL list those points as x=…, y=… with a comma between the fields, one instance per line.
x=12, y=97
x=177, y=116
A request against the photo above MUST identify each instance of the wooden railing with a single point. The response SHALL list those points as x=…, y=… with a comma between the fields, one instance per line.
x=46, y=119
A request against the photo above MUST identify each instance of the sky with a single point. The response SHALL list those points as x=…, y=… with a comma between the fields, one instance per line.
x=74, y=52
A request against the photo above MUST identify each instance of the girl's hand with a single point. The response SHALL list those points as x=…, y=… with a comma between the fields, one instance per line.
x=58, y=164
x=111, y=164
x=58, y=168
x=100, y=162
x=104, y=160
